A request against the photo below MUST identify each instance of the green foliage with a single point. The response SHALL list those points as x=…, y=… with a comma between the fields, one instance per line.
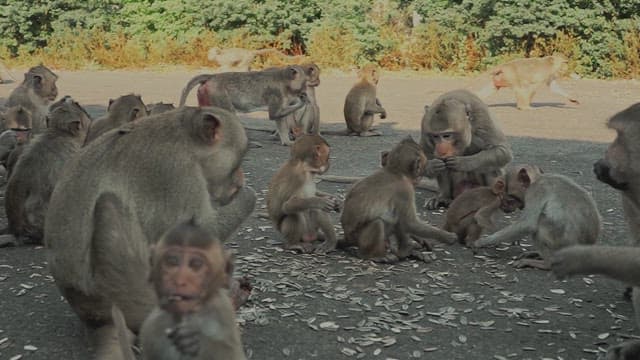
x=599, y=36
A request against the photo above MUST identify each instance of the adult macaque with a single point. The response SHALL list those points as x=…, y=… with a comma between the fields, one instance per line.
x=158, y=108
x=472, y=213
x=278, y=90
x=526, y=76
x=120, y=194
x=557, y=213
x=361, y=104
x=37, y=91
x=195, y=318
x=383, y=204
x=38, y=169
x=238, y=59
x=294, y=205
x=305, y=120
x=620, y=169
x=120, y=111
x=465, y=146
x=17, y=124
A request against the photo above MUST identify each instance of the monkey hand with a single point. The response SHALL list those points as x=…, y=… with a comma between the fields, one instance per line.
x=186, y=337
x=570, y=261
x=483, y=241
x=435, y=166
x=326, y=204
x=460, y=163
x=383, y=115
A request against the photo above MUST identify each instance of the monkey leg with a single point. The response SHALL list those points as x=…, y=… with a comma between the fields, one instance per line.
x=324, y=223
x=372, y=245
x=541, y=264
x=523, y=98
x=555, y=88
x=294, y=228
x=629, y=350
x=107, y=343
x=365, y=126
x=283, y=132
x=473, y=233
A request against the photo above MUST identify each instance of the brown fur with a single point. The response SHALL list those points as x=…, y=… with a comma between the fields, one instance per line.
x=35, y=94
x=361, y=103
x=383, y=204
x=159, y=108
x=239, y=59
x=120, y=111
x=295, y=207
x=17, y=124
x=128, y=187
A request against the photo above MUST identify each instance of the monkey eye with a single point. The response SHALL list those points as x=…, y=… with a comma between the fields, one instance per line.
x=171, y=260
x=446, y=136
x=196, y=263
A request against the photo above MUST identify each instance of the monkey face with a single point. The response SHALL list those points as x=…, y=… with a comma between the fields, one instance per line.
x=320, y=162
x=224, y=193
x=445, y=144
x=184, y=281
x=510, y=203
x=608, y=175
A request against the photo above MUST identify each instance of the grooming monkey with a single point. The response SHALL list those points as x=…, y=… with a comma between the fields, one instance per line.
x=38, y=169
x=620, y=169
x=37, y=91
x=195, y=318
x=361, y=104
x=526, y=76
x=557, y=213
x=383, y=204
x=120, y=194
x=294, y=205
x=120, y=111
x=238, y=59
x=472, y=212
x=465, y=146
x=278, y=90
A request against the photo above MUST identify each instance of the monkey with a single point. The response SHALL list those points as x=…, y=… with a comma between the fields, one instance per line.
x=557, y=213
x=122, y=110
x=361, y=104
x=239, y=59
x=16, y=124
x=121, y=193
x=279, y=90
x=383, y=204
x=472, y=212
x=37, y=91
x=3, y=69
x=526, y=76
x=294, y=205
x=158, y=108
x=194, y=318
x=619, y=169
x=464, y=144
x=38, y=170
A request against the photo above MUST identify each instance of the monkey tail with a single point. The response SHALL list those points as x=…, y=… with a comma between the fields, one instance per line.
x=122, y=333
x=267, y=51
x=200, y=79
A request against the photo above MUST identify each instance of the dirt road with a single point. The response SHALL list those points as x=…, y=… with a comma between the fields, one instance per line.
x=459, y=306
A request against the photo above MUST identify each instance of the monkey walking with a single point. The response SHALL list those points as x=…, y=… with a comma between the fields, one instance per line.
x=464, y=144
x=526, y=76
x=295, y=207
x=37, y=91
x=239, y=59
x=383, y=204
x=557, y=213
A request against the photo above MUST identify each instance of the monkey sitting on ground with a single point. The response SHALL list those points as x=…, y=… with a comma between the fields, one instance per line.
x=472, y=212
x=121, y=193
x=294, y=205
x=120, y=111
x=464, y=144
x=17, y=123
x=195, y=318
x=35, y=94
x=361, y=104
x=557, y=213
x=525, y=76
x=38, y=169
x=158, y=108
x=383, y=204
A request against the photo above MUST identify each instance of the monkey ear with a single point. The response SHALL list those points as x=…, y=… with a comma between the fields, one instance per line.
x=134, y=114
x=211, y=128
x=499, y=186
x=109, y=106
x=426, y=108
x=416, y=169
x=74, y=128
x=524, y=178
x=37, y=81
x=384, y=155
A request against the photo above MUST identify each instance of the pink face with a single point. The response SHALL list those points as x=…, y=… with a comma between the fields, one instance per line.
x=185, y=272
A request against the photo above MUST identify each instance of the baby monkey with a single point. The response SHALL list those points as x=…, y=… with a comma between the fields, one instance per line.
x=195, y=319
x=557, y=213
x=295, y=206
x=473, y=212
